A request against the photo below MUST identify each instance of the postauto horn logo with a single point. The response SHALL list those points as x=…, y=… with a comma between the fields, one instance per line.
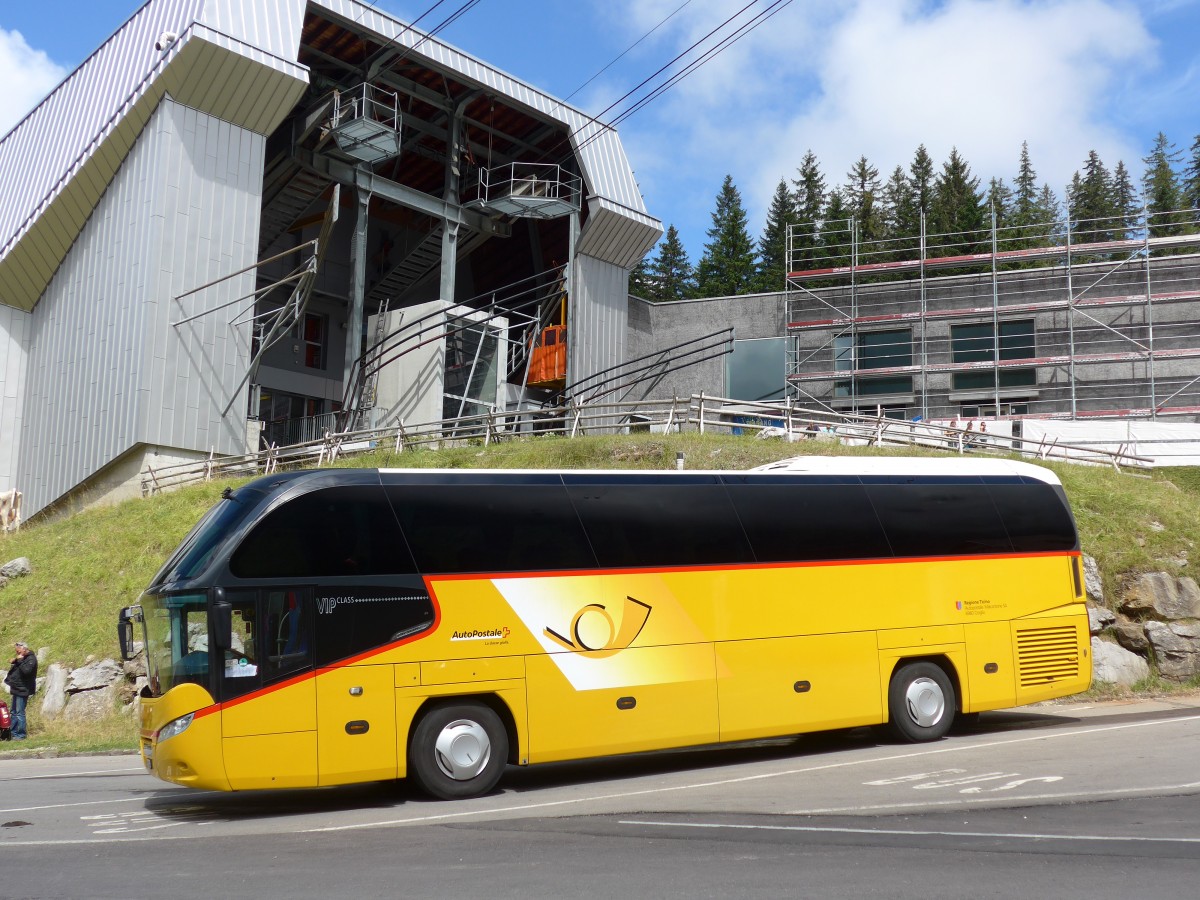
x=592, y=628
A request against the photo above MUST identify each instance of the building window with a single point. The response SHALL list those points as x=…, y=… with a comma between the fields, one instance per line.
x=755, y=369
x=315, y=328
x=977, y=342
x=875, y=350
x=873, y=387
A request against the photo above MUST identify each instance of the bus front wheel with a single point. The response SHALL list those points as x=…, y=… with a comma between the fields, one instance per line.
x=921, y=702
x=458, y=751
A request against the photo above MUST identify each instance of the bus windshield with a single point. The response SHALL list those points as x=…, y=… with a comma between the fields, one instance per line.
x=177, y=640
x=197, y=548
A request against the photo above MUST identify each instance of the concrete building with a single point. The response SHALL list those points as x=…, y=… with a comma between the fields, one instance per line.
x=1066, y=329
x=208, y=222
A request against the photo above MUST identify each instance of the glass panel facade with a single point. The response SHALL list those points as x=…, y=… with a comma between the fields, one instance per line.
x=754, y=370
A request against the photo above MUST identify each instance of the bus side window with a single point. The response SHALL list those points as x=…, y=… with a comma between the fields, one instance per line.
x=287, y=632
x=240, y=673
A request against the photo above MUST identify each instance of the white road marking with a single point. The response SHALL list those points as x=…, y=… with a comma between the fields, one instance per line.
x=916, y=754
x=927, y=804
x=17, y=809
x=1029, y=836
x=141, y=769
x=420, y=820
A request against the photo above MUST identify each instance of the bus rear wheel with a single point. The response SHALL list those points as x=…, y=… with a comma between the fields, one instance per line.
x=458, y=751
x=921, y=702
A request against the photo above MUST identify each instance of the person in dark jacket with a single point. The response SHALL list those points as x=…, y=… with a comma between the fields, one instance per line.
x=22, y=681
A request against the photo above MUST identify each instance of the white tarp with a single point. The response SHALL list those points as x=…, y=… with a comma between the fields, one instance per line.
x=1167, y=443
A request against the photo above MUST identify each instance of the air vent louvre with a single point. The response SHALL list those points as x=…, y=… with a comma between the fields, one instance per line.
x=1047, y=655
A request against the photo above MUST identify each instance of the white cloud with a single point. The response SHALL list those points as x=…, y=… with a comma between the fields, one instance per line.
x=27, y=75
x=879, y=77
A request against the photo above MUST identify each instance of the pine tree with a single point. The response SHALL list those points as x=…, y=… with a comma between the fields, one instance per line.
x=957, y=215
x=1191, y=178
x=639, y=281
x=1049, y=212
x=863, y=199
x=1031, y=226
x=1161, y=188
x=809, y=203
x=902, y=219
x=1126, y=203
x=920, y=176
x=728, y=264
x=1090, y=202
x=670, y=273
x=1000, y=198
x=773, y=245
x=833, y=242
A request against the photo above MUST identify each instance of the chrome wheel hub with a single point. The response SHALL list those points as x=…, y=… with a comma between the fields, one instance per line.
x=462, y=749
x=925, y=701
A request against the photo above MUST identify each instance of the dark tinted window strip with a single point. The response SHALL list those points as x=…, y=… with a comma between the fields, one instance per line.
x=650, y=479
x=437, y=477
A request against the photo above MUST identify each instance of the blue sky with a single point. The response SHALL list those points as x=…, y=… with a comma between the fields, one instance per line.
x=848, y=78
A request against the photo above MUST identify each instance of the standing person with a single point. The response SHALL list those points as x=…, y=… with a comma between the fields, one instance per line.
x=22, y=681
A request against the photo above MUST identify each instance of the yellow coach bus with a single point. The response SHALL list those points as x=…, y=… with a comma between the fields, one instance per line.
x=338, y=626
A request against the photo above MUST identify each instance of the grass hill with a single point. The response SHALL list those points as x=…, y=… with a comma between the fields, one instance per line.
x=86, y=567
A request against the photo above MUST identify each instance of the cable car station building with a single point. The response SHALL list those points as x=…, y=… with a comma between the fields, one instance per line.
x=237, y=219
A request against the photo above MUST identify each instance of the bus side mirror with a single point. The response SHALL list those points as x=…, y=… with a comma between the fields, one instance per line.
x=125, y=634
x=222, y=624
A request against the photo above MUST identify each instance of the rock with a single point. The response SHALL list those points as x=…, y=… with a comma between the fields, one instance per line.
x=43, y=654
x=1132, y=636
x=1162, y=596
x=89, y=706
x=1116, y=665
x=1093, y=584
x=1157, y=526
x=135, y=668
x=54, y=697
x=1100, y=618
x=3, y=581
x=17, y=568
x=93, y=676
x=1176, y=648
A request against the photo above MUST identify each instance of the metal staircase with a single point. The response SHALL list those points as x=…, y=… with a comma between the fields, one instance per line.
x=423, y=260
x=290, y=191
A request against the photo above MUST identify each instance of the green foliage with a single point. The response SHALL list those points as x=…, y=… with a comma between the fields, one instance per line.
x=809, y=202
x=864, y=201
x=1164, y=195
x=1191, y=177
x=1090, y=201
x=920, y=176
x=958, y=214
x=772, y=246
x=728, y=265
x=670, y=274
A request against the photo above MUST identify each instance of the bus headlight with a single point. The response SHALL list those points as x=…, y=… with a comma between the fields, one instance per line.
x=174, y=727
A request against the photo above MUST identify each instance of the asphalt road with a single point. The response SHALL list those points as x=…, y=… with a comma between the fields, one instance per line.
x=1052, y=801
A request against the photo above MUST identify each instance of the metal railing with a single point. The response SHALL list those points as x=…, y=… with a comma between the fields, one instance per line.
x=698, y=413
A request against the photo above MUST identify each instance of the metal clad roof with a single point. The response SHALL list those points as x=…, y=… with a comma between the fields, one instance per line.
x=605, y=166
x=41, y=152
x=58, y=161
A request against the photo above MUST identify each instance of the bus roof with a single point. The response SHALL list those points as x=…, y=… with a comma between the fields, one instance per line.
x=907, y=465
x=815, y=465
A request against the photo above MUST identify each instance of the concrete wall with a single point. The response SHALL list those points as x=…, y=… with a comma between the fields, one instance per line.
x=655, y=326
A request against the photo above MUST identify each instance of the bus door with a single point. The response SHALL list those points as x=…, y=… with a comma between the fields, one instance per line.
x=267, y=694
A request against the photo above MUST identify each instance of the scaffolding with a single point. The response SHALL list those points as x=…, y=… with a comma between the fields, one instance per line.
x=1064, y=319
